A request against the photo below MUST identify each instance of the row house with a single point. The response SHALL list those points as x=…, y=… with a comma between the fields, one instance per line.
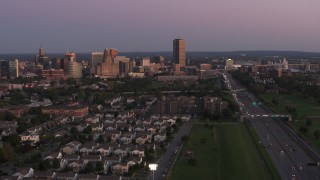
x=71, y=157
x=138, y=151
x=55, y=155
x=109, y=161
x=120, y=168
x=8, y=124
x=61, y=133
x=120, y=151
x=143, y=137
x=69, y=111
x=109, y=120
x=76, y=165
x=110, y=127
x=126, y=138
x=134, y=161
x=161, y=137
x=120, y=121
x=126, y=114
x=96, y=134
x=108, y=115
x=155, y=117
x=7, y=132
x=24, y=173
x=123, y=167
x=71, y=147
x=34, y=130
x=106, y=149
x=91, y=158
x=66, y=176
x=82, y=126
x=89, y=177
x=44, y=175
x=92, y=120
x=146, y=122
x=97, y=127
x=171, y=121
x=123, y=127
x=139, y=128
x=88, y=148
x=112, y=135
x=33, y=138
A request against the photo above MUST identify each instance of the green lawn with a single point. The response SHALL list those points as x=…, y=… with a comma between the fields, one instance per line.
x=229, y=153
x=306, y=108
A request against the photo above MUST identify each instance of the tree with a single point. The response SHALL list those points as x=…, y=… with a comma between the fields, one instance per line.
x=44, y=165
x=317, y=134
x=203, y=140
x=99, y=167
x=304, y=129
x=184, y=138
x=192, y=161
x=100, y=139
x=89, y=168
x=3, y=155
x=74, y=132
x=13, y=139
x=309, y=122
x=55, y=164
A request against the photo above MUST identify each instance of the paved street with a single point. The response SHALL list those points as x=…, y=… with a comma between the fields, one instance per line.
x=166, y=161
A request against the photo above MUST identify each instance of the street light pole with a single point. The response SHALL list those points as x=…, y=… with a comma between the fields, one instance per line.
x=153, y=167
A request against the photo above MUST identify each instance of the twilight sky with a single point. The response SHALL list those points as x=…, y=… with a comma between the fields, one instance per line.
x=151, y=25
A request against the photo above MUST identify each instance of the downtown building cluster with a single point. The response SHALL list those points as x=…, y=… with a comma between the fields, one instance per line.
x=107, y=64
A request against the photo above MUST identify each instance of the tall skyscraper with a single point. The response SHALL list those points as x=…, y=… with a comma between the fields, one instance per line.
x=68, y=57
x=41, y=51
x=74, y=69
x=96, y=58
x=42, y=61
x=109, y=67
x=4, y=69
x=179, y=52
x=14, y=68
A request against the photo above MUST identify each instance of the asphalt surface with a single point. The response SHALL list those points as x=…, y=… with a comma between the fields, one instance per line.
x=166, y=161
x=289, y=153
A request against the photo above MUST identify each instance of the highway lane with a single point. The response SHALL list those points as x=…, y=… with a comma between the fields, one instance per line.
x=288, y=154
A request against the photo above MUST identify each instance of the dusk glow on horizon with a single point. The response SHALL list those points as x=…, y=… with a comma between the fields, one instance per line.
x=151, y=25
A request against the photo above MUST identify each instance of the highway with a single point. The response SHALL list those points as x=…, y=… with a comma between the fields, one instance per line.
x=289, y=153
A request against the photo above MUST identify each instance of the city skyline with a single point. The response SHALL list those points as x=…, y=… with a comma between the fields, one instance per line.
x=142, y=25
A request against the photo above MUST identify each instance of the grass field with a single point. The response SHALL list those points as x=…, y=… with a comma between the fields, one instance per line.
x=306, y=108
x=228, y=153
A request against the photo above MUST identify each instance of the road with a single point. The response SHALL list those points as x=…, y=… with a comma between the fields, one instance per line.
x=289, y=153
x=166, y=161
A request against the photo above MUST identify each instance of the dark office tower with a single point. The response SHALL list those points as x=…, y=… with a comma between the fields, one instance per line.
x=4, y=69
x=179, y=52
x=56, y=63
x=42, y=60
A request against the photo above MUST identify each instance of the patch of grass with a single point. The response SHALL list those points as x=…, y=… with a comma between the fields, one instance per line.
x=228, y=153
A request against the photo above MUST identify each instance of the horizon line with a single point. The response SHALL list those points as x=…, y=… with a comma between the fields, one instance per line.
x=200, y=51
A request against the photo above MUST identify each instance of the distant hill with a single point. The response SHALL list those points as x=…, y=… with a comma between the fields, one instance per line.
x=190, y=54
